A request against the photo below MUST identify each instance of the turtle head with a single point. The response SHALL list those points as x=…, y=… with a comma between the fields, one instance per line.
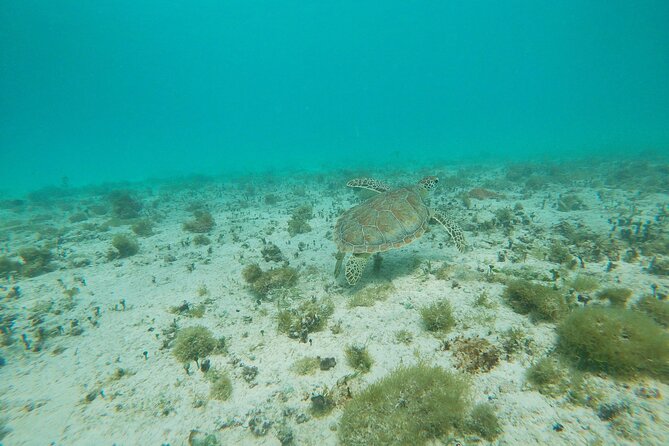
x=428, y=184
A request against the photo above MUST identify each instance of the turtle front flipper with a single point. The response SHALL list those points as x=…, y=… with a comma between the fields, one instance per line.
x=354, y=267
x=340, y=259
x=453, y=230
x=369, y=184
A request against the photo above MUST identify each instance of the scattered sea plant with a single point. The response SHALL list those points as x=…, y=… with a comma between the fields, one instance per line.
x=540, y=302
x=308, y=317
x=570, y=202
x=515, y=340
x=78, y=217
x=264, y=282
x=548, y=376
x=617, y=297
x=193, y=344
x=412, y=405
x=559, y=253
x=188, y=309
x=322, y=402
x=123, y=246
x=370, y=294
x=271, y=253
x=655, y=308
x=583, y=283
x=619, y=342
x=299, y=221
x=143, y=228
x=659, y=266
x=358, y=358
x=483, y=422
x=221, y=385
x=124, y=205
x=201, y=240
x=306, y=366
x=8, y=266
x=438, y=317
x=474, y=355
x=404, y=337
x=202, y=222
x=36, y=261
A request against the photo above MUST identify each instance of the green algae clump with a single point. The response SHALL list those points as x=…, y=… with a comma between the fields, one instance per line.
x=622, y=343
x=310, y=316
x=616, y=296
x=358, y=358
x=548, y=376
x=299, y=221
x=36, y=261
x=193, y=344
x=438, y=317
x=655, y=308
x=202, y=222
x=540, y=302
x=221, y=385
x=124, y=205
x=124, y=246
x=264, y=282
x=412, y=405
x=484, y=422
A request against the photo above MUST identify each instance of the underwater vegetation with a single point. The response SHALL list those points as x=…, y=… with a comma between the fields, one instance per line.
x=474, y=355
x=201, y=240
x=36, y=261
x=548, y=376
x=540, y=302
x=309, y=316
x=567, y=203
x=622, y=343
x=659, y=266
x=299, y=220
x=221, y=385
x=306, y=366
x=8, y=266
x=358, y=358
x=143, y=228
x=193, y=344
x=124, y=205
x=655, y=308
x=584, y=284
x=616, y=296
x=271, y=253
x=123, y=246
x=483, y=422
x=438, y=317
x=264, y=282
x=201, y=223
x=370, y=294
x=515, y=340
x=414, y=405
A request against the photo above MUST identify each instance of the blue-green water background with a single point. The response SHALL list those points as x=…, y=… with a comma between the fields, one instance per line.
x=123, y=90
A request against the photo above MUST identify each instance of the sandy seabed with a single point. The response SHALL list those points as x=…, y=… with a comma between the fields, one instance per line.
x=87, y=355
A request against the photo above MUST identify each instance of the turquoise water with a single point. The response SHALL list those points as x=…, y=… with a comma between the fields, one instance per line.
x=213, y=228
x=119, y=90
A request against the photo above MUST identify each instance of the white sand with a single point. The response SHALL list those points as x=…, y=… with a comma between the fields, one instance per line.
x=42, y=393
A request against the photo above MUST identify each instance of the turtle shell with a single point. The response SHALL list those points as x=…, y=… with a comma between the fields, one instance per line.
x=386, y=221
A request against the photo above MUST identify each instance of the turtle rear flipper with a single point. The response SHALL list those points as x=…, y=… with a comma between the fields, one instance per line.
x=354, y=267
x=369, y=184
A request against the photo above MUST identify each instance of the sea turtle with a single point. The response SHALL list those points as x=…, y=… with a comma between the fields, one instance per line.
x=391, y=219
